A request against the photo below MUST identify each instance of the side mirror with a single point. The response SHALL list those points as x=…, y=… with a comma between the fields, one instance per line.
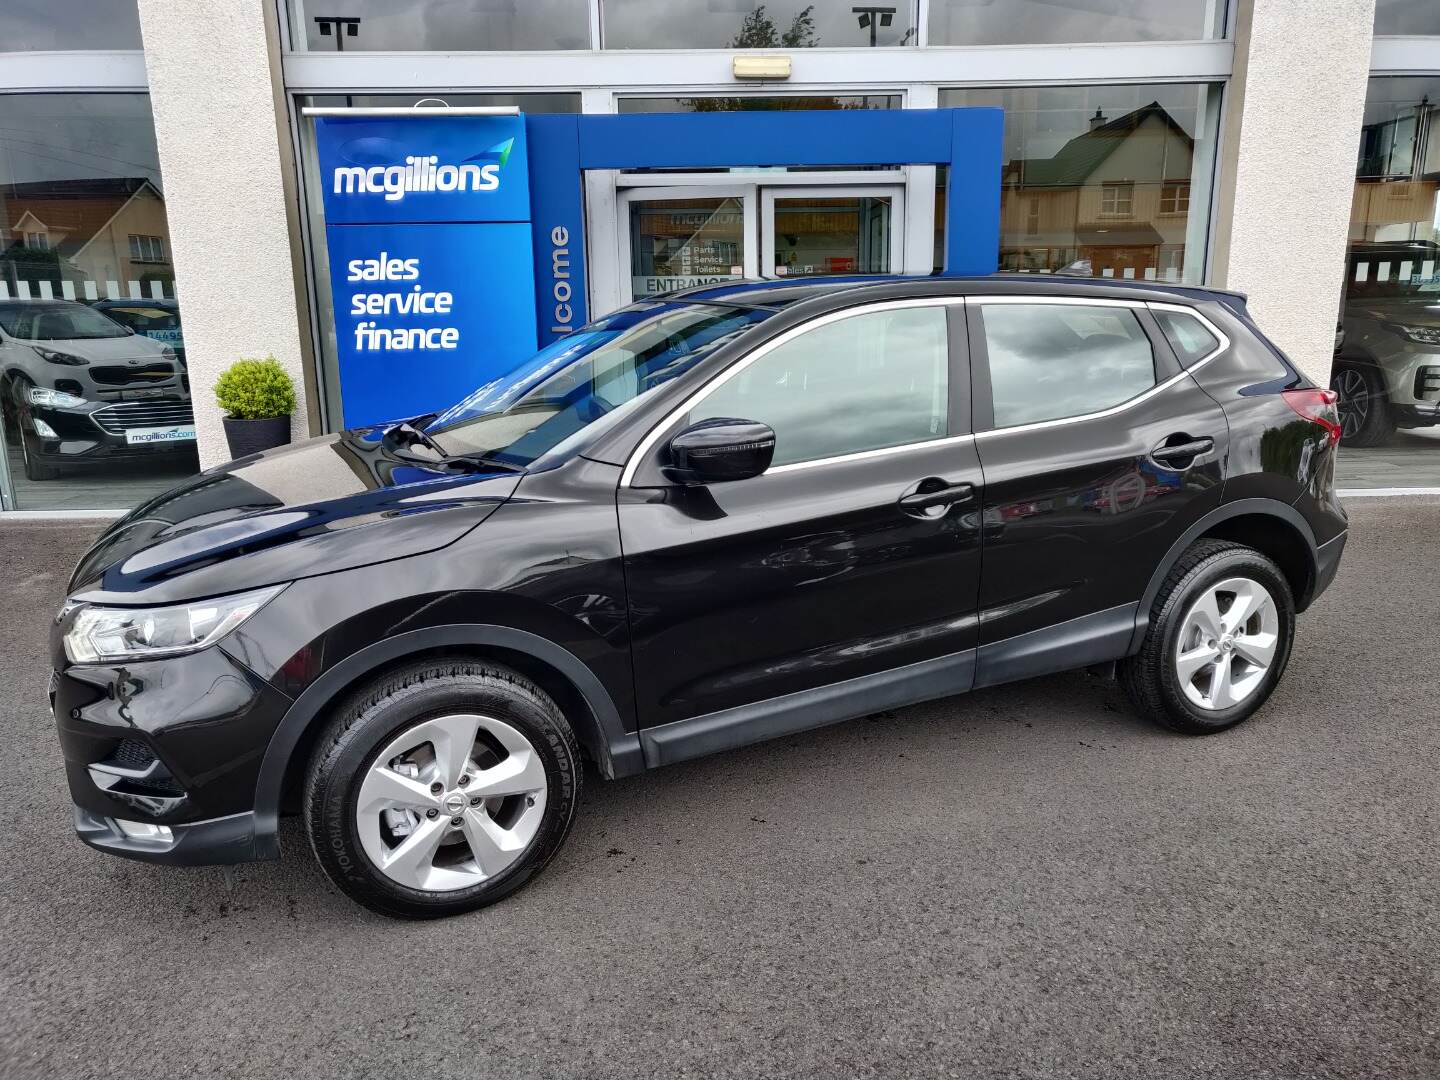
x=714, y=451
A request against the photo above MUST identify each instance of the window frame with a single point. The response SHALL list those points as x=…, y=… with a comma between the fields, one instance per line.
x=1168, y=371
x=958, y=384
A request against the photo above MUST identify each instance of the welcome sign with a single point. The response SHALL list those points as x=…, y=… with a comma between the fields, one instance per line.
x=427, y=224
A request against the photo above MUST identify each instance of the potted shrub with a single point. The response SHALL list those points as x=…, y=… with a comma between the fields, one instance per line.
x=258, y=398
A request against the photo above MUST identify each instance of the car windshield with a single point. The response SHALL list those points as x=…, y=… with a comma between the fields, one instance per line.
x=57, y=322
x=585, y=375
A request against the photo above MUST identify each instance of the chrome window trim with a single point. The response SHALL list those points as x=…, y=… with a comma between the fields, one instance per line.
x=632, y=464
x=1130, y=403
x=860, y=455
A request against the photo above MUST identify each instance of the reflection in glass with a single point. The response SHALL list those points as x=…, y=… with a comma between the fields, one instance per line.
x=756, y=24
x=1105, y=181
x=95, y=396
x=1387, y=360
x=817, y=235
x=53, y=25
x=1407, y=18
x=885, y=373
x=440, y=25
x=1049, y=361
x=680, y=243
x=1048, y=22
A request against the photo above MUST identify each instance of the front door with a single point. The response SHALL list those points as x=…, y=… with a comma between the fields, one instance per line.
x=688, y=235
x=827, y=567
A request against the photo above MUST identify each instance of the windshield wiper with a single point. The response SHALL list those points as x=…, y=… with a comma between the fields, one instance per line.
x=408, y=433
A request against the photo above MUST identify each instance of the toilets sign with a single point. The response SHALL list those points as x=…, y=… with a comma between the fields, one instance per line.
x=427, y=223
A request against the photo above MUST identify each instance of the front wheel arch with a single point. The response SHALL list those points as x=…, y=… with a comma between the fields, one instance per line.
x=588, y=706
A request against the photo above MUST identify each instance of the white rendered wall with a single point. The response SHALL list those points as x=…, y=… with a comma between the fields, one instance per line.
x=1292, y=134
x=221, y=157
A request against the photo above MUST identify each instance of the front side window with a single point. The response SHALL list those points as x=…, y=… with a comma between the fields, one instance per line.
x=1050, y=361
x=870, y=381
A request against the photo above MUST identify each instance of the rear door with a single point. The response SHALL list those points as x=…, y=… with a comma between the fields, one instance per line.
x=1098, y=453
x=822, y=569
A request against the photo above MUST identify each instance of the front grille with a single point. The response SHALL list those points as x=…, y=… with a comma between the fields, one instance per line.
x=131, y=754
x=118, y=419
x=141, y=373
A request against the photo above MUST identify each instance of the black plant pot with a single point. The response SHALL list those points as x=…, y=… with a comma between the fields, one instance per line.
x=248, y=437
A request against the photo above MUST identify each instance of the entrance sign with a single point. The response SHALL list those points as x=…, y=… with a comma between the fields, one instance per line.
x=427, y=220
x=457, y=241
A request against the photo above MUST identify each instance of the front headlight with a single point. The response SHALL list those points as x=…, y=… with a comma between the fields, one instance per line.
x=55, y=356
x=1423, y=335
x=55, y=399
x=104, y=634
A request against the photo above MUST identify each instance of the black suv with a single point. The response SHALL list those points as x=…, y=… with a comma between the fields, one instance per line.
x=708, y=519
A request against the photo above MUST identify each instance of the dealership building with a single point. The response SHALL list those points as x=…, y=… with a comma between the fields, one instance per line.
x=172, y=167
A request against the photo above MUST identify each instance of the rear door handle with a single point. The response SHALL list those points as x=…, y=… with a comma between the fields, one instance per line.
x=948, y=495
x=1174, y=455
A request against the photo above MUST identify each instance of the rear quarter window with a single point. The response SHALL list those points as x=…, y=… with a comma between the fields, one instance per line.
x=1187, y=336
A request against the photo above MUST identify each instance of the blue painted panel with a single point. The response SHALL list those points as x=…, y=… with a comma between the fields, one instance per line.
x=423, y=168
x=461, y=311
x=708, y=140
x=972, y=198
x=558, y=223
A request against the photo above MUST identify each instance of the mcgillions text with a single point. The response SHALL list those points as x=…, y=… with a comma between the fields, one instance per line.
x=414, y=301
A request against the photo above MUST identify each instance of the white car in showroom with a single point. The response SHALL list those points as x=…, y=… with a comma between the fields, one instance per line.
x=78, y=388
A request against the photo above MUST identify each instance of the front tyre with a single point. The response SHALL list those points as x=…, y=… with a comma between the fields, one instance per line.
x=1219, y=639
x=440, y=788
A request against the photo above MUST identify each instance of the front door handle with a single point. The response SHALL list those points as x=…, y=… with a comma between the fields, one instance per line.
x=930, y=496
x=1179, y=455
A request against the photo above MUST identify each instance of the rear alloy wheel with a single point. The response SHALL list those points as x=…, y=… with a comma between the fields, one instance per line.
x=1219, y=638
x=441, y=788
x=1364, y=409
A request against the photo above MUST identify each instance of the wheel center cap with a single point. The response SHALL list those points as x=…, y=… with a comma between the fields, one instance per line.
x=454, y=803
x=1227, y=644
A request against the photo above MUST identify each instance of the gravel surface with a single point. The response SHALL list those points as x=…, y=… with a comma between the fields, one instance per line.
x=1022, y=882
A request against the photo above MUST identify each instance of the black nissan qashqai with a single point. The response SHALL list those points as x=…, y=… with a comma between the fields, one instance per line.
x=708, y=519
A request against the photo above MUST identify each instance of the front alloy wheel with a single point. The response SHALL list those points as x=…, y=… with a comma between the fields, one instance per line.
x=451, y=802
x=441, y=787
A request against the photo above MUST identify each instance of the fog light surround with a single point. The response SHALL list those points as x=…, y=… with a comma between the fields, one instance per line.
x=145, y=832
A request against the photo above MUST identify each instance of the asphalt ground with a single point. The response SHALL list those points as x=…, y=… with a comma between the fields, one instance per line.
x=1022, y=882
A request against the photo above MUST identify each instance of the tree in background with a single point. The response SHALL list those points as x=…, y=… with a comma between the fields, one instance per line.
x=758, y=31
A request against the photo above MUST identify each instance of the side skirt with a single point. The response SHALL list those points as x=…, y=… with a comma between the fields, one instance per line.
x=1090, y=639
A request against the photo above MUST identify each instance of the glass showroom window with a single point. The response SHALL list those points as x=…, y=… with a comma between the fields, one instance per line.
x=52, y=25
x=1387, y=366
x=96, y=401
x=1406, y=18
x=430, y=26
x=1048, y=22
x=315, y=213
x=756, y=24
x=1106, y=181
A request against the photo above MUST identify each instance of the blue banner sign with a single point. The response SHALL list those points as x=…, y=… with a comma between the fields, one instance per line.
x=427, y=223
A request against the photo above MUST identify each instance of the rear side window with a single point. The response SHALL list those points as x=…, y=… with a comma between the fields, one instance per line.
x=1051, y=361
x=1187, y=336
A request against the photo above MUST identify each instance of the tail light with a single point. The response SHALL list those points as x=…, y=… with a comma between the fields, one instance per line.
x=1319, y=407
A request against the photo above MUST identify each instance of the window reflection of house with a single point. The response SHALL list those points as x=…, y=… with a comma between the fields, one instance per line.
x=101, y=230
x=1398, y=176
x=1105, y=202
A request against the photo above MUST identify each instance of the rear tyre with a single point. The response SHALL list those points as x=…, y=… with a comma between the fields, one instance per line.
x=1219, y=639
x=1365, y=418
x=440, y=788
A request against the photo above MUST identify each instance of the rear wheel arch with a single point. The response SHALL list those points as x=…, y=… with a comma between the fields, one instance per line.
x=1270, y=527
x=586, y=703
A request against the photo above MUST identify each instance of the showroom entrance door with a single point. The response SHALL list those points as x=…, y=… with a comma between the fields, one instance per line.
x=684, y=235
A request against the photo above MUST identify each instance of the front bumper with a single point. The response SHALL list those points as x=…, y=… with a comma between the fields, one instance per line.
x=101, y=431
x=220, y=841
x=172, y=746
